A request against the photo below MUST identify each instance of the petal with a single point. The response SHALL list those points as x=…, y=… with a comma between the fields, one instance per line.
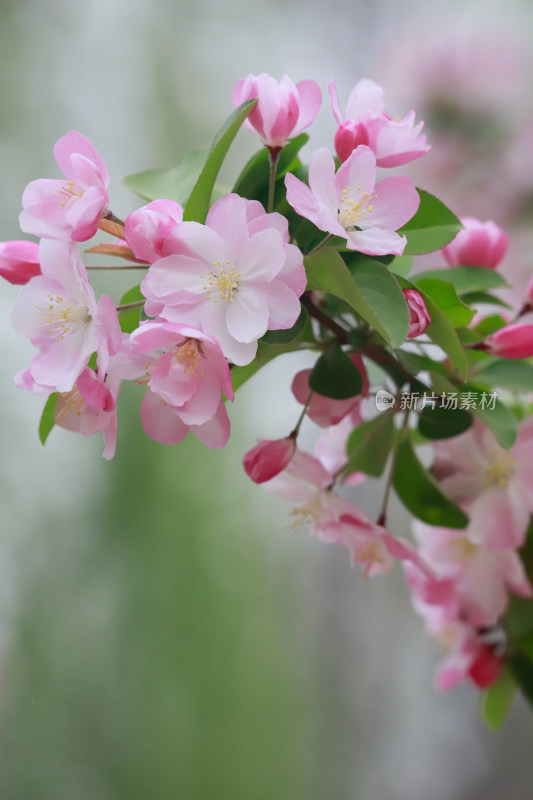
x=76, y=143
x=160, y=422
x=214, y=433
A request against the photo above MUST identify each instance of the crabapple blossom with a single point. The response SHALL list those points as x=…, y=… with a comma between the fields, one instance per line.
x=68, y=209
x=268, y=458
x=479, y=244
x=394, y=141
x=283, y=109
x=185, y=372
x=148, y=231
x=512, y=341
x=90, y=407
x=19, y=261
x=330, y=449
x=234, y=277
x=352, y=205
x=419, y=317
x=493, y=485
x=59, y=313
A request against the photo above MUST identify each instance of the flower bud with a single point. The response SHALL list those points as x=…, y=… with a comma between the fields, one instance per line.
x=19, y=261
x=350, y=134
x=268, y=458
x=513, y=341
x=480, y=244
x=419, y=317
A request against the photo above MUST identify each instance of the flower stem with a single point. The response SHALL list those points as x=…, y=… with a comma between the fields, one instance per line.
x=294, y=433
x=273, y=153
x=127, y=306
x=324, y=241
x=117, y=266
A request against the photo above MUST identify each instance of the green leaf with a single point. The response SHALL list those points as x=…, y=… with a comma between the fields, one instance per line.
x=47, y=417
x=335, y=376
x=496, y=701
x=445, y=296
x=443, y=423
x=432, y=227
x=171, y=184
x=478, y=298
x=373, y=292
x=129, y=320
x=465, y=279
x=420, y=493
x=489, y=325
x=515, y=375
x=401, y=265
x=370, y=444
x=287, y=335
x=252, y=183
x=200, y=197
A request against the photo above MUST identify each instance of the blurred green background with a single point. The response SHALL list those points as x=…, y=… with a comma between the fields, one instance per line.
x=162, y=635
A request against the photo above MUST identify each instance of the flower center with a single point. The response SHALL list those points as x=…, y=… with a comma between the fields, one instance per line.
x=461, y=549
x=352, y=209
x=68, y=403
x=500, y=471
x=70, y=192
x=59, y=318
x=223, y=281
x=188, y=355
x=370, y=553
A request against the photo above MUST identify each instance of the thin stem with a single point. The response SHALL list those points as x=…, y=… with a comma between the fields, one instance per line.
x=127, y=306
x=113, y=218
x=294, y=433
x=320, y=244
x=273, y=153
x=327, y=322
x=381, y=520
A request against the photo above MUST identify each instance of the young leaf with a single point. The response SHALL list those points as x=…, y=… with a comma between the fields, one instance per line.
x=373, y=292
x=421, y=494
x=496, y=701
x=432, y=227
x=172, y=184
x=335, y=376
x=370, y=444
x=200, y=197
x=445, y=296
x=47, y=418
x=508, y=374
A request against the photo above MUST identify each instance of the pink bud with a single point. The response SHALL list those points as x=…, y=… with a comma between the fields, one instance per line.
x=480, y=244
x=419, y=317
x=486, y=668
x=19, y=261
x=513, y=341
x=268, y=458
x=350, y=134
x=283, y=109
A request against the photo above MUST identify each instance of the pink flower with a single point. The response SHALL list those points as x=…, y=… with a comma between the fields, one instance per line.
x=482, y=578
x=149, y=230
x=513, y=341
x=480, y=244
x=234, y=277
x=350, y=204
x=326, y=411
x=493, y=485
x=58, y=312
x=185, y=373
x=90, y=407
x=283, y=109
x=71, y=209
x=394, y=141
x=366, y=541
x=19, y=261
x=268, y=458
x=419, y=317
x=331, y=447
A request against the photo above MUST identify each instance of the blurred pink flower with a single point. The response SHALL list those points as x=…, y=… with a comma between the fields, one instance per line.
x=512, y=341
x=419, y=317
x=268, y=458
x=19, y=261
x=480, y=244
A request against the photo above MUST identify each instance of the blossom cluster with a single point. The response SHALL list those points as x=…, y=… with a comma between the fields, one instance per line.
x=332, y=258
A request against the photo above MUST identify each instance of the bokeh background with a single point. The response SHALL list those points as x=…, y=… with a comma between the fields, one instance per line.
x=162, y=633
